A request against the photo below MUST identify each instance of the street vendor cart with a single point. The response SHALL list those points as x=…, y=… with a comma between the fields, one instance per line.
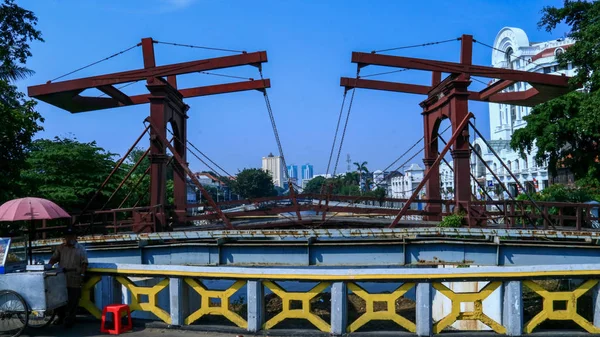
x=29, y=294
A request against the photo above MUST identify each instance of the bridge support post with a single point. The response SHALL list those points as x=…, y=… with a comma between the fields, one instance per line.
x=512, y=308
x=177, y=299
x=110, y=291
x=339, y=308
x=256, y=305
x=424, y=311
x=596, y=303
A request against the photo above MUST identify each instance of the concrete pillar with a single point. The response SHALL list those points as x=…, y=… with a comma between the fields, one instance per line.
x=596, y=304
x=423, y=310
x=178, y=301
x=256, y=306
x=512, y=308
x=110, y=292
x=339, y=308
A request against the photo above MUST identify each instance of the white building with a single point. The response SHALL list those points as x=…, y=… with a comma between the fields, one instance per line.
x=513, y=50
x=402, y=185
x=446, y=180
x=274, y=165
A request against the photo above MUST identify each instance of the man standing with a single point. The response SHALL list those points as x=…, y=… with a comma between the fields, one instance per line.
x=72, y=257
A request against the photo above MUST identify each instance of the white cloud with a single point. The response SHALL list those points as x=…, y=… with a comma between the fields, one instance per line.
x=179, y=4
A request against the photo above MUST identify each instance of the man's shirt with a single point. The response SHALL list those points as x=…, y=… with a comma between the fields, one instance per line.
x=72, y=260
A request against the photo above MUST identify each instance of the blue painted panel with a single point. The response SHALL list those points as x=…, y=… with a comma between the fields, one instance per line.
x=444, y=253
x=132, y=255
x=522, y=255
x=346, y=255
x=195, y=255
x=264, y=255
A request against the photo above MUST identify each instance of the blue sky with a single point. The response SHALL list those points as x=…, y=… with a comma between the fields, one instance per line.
x=309, y=45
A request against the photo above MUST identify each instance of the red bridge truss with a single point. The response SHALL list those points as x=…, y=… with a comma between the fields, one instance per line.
x=446, y=98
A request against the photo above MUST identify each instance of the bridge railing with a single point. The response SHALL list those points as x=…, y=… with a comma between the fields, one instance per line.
x=339, y=301
x=503, y=213
x=542, y=214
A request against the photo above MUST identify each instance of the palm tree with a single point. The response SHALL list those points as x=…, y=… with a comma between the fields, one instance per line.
x=361, y=167
x=14, y=72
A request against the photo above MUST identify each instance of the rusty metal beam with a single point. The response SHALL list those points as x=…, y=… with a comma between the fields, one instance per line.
x=213, y=89
x=77, y=104
x=350, y=83
x=364, y=59
x=294, y=201
x=458, y=132
x=190, y=174
x=529, y=97
x=141, y=74
x=116, y=94
x=494, y=88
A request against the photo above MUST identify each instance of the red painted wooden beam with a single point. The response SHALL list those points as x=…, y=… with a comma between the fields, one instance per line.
x=213, y=89
x=75, y=104
x=364, y=59
x=140, y=74
x=494, y=88
x=383, y=85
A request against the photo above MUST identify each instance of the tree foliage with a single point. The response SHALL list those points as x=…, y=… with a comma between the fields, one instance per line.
x=566, y=130
x=19, y=125
x=254, y=183
x=19, y=119
x=68, y=172
x=18, y=29
x=314, y=185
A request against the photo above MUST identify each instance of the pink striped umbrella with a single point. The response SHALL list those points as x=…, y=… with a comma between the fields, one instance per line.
x=31, y=209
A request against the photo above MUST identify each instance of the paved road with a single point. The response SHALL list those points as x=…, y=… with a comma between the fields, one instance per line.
x=92, y=329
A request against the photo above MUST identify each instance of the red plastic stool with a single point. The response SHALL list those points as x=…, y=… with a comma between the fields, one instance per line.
x=116, y=310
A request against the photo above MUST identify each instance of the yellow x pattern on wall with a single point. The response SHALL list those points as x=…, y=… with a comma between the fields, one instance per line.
x=473, y=297
x=222, y=295
x=152, y=293
x=86, y=296
x=390, y=312
x=569, y=298
x=304, y=312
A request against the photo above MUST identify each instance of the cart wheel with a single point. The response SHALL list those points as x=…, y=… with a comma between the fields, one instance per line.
x=13, y=313
x=38, y=319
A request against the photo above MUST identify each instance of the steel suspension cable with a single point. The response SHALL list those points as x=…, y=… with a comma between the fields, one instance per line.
x=200, y=47
x=217, y=173
x=224, y=75
x=385, y=73
x=417, y=45
x=99, y=61
x=337, y=160
x=337, y=128
x=505, y=53
x=398, y=168
x=274, y=126
x=200, y=159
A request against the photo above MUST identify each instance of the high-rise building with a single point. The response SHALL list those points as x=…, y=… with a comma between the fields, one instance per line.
x=307, y=172
x=274, y=165
x=293, y=171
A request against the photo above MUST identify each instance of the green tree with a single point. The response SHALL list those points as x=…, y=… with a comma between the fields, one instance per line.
x=566, y=130
x=18, y=29
x=19, y=125
x=314, y=185
x=19, y=120
x=68, y=172
x=254, y=183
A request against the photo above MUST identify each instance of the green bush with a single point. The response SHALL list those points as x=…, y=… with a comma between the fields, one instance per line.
x=453, y=221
